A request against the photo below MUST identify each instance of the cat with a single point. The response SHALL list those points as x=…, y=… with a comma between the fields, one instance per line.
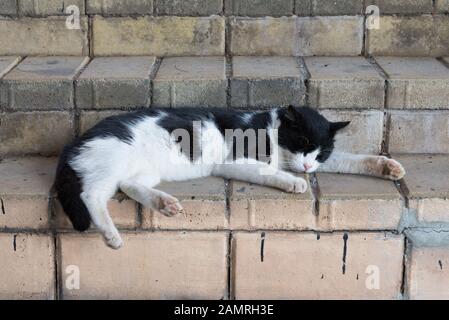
x=135, y=151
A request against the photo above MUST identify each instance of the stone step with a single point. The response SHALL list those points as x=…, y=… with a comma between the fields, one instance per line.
x=252, y=8
x=396, y=104
x=347, y=237
x=239, y=27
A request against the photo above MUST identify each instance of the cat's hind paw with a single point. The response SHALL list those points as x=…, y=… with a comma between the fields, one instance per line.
x=113, y=241
x=392, y=170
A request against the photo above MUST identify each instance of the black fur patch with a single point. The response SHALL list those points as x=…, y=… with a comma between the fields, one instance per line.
x=223, y=118
x=68, y=188
x=304, y=130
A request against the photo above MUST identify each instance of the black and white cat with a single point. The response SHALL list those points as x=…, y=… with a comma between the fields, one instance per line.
x=135, y=151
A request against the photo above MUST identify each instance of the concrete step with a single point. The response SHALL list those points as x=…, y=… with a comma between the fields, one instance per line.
x=227, y=7
x=238, y=27
x=396, y=104
x=347, y=237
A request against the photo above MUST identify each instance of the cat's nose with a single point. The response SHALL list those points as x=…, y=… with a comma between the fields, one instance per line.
x=307, y=166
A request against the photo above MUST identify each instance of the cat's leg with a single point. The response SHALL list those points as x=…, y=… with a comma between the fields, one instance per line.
x=378, y=166
x=263, y=174
x=140, y=188
x=96, y=199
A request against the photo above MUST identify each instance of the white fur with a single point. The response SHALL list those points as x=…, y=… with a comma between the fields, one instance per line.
x=304, y=163
x=378, y=166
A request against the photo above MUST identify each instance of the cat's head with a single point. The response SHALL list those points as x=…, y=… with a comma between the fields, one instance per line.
x=306, y=138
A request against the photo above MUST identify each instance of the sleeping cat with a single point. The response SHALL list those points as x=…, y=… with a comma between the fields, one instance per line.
x=135, y=151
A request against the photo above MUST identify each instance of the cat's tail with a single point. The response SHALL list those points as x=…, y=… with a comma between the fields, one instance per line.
x=68, y=188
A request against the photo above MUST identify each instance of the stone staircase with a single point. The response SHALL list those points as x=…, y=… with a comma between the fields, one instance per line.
x=347, y=237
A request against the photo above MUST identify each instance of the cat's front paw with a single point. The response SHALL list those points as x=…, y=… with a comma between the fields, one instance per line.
x=170, y=206
x=296, y=185
x=393, y=170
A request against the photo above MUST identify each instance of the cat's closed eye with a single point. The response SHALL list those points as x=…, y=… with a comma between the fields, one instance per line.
x=323, y=155
x=306, y=145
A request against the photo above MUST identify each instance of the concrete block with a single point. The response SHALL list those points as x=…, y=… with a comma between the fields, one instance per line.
x=344, y=82
x=41, y=83
x=90, y=118
x=260, y=36
x=43, y=36
x=330, y=36
x=158, y=36
x=258, y=8
x=24, y=192
x=416, y=83
x=188, y=7
x=266, y=82
x=255, y=207
x=304, y=36
x=28, y=267
x=113, y=82
x=328, y=7
x=424, y=35
x=122, y=212
x=349, y=202
x=425, y=175
x=39, y=8
x=402, y=6
x=282, y=265
x=203, y=201
x=442, y=6
x=42, y=132
x=190, y=81
x=363, y=135
x=419, y=132
x=8, y=8
x=158, y=265
x=117, y=7
x=428, y=277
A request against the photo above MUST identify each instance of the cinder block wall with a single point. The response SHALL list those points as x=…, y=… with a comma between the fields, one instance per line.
x=236, y=240
x=216, y=27
x=392, y=80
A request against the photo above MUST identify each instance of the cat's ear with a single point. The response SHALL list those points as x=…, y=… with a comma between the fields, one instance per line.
x=292, y=115
x=336, y=126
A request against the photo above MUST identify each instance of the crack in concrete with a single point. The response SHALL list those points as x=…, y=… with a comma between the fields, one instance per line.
x=2, y=204
x=345, y=251
x=262, y=246
x=153, y=72
x=422, y=233
x=405, y=263
x=231, y=267
x=316, y=193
